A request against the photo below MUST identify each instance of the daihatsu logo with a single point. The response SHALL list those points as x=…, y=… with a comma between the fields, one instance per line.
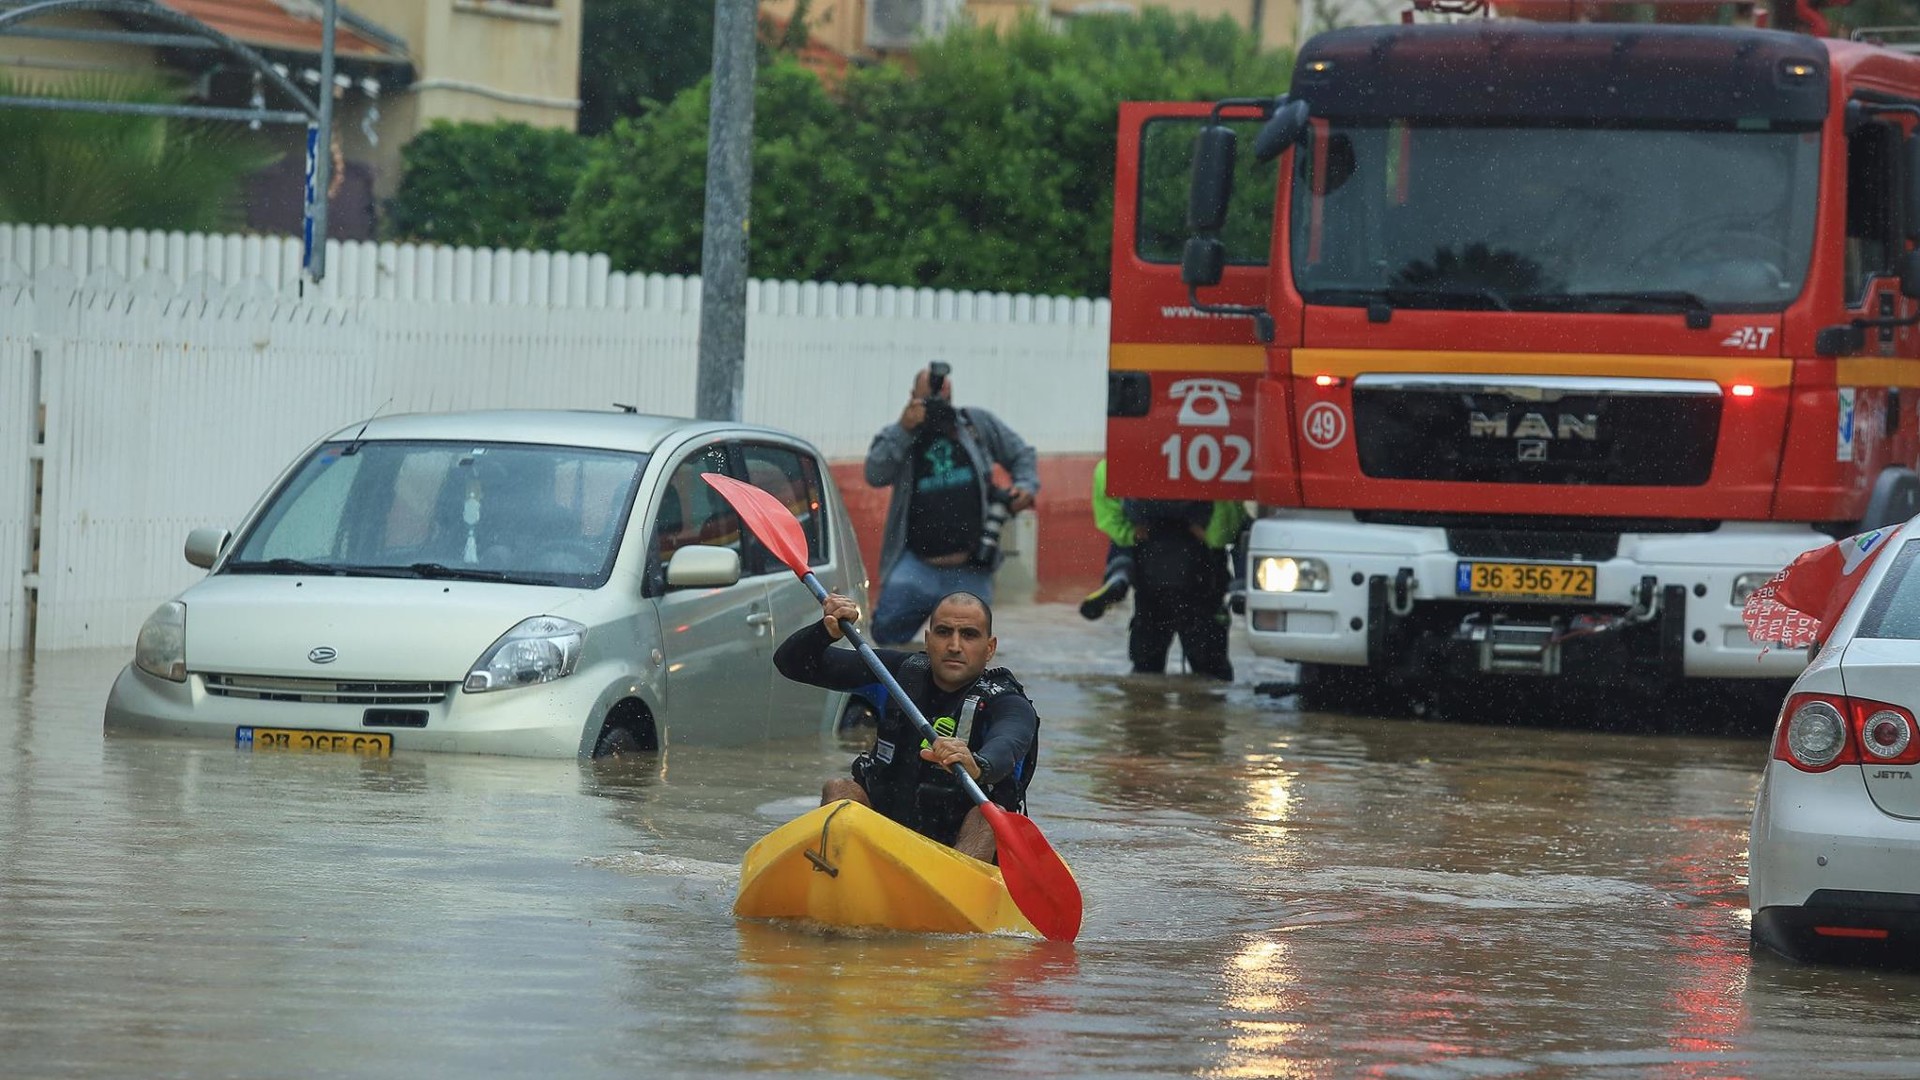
x=323, y=655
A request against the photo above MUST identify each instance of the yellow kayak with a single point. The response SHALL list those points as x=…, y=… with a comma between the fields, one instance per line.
x=847, y=865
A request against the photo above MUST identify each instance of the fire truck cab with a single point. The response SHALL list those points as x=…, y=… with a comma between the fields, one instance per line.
x=1538, y=346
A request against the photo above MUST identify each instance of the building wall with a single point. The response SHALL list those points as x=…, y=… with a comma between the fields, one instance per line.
x=474, y=60
x=1276, y=23
x=840, y=24
x=43, y=61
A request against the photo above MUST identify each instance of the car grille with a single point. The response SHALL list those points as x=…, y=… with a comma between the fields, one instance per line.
x=325, y=691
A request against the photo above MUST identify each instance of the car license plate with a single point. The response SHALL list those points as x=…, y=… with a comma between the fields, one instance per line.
x=369, y=743
x=1550, y=581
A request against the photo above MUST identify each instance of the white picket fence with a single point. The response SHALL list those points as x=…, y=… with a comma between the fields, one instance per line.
x=178, y=373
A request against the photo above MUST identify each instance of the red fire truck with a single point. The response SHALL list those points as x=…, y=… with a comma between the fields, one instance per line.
x=1539, y=346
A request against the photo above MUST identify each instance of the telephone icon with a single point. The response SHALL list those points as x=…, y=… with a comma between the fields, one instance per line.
x=1203, y=402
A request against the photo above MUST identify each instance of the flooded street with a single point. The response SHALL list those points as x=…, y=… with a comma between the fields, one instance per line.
x=1269, y=894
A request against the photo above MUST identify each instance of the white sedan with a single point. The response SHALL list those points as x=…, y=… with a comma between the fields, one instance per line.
x=1834, y=855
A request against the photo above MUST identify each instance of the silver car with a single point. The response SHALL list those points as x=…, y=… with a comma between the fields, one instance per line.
x=1834, y=850
x=532, y=583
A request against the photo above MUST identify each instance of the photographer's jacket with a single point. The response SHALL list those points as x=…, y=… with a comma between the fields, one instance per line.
x=985, y=440
x=992, y=713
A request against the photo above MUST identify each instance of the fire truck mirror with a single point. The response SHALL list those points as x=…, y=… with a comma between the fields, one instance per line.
x=1203, y=262
x=1287, y=126
x=1910, y=275
x=1129, y=393
x=1910, y=160
x=1842, y=340
x=1212, y=184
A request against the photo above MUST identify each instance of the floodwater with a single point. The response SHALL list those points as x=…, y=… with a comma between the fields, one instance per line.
x=1269, y=894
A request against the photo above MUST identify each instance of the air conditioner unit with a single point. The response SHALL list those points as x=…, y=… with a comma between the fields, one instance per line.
x=901, y=24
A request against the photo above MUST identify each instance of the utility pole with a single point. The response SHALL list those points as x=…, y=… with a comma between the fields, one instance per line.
x=721, y=387
x=320, y=147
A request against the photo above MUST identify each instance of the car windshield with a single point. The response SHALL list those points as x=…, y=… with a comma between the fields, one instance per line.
x=540, y=515
x=1561, y=218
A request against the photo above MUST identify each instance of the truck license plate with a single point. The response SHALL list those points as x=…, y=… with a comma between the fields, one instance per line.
x=369, y=743
x=1550, y=581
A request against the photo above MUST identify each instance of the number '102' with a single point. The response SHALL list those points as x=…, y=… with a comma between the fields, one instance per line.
x=1203, y=456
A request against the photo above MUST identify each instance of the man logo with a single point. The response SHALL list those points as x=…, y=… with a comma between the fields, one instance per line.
x=1532, y=449
x=323, y=655
x=1533, y=425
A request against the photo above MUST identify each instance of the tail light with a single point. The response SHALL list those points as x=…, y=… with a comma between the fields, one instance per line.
x=1819, y=731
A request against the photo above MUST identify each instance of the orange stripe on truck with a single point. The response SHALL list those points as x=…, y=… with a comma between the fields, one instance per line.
x=1250, y=358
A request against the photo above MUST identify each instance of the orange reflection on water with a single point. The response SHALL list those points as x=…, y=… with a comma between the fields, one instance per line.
x=1270, y=779
x=1263, y=987
x=862, y=998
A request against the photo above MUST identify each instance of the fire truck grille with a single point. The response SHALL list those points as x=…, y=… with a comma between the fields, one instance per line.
x=1453, y=428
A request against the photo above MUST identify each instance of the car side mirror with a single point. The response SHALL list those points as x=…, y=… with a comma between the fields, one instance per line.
x=205, y=545
x=704, y=565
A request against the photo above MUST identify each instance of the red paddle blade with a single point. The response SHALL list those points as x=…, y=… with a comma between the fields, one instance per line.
x=1038, y=880
x=767, y=517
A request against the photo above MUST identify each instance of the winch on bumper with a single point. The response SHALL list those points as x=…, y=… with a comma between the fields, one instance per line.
x=1327, y=588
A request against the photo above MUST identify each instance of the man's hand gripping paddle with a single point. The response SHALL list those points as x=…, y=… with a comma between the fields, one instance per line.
x=1041, y=885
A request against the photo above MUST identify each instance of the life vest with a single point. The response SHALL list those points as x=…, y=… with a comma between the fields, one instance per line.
x=914, y=791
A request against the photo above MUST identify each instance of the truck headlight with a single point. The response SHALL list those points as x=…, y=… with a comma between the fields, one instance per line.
x=1744, y=585
x=540, y=649
x=161, y=648
x=1289, y=574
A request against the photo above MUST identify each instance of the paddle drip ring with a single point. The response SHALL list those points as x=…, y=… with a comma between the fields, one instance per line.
x=819, y=858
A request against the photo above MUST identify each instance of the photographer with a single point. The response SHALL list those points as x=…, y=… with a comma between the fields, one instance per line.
x=945, y=518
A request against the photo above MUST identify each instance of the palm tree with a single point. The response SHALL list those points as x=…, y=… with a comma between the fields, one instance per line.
x=97, y=169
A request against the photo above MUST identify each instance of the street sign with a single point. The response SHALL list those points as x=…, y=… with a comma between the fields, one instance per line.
x=306, y=206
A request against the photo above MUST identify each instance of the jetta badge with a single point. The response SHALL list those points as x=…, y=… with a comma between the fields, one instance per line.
x=323, y=655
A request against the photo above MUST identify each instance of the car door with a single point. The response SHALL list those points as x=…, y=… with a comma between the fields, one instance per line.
x=792, y=476
x=717, y=644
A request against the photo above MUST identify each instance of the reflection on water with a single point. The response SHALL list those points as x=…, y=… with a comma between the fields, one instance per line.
x=1269, y=894
x=892, y=1004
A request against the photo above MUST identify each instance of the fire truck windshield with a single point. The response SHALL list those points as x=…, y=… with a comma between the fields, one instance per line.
x=1560, y=218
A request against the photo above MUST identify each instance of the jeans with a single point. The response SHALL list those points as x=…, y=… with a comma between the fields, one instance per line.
x=910, y=591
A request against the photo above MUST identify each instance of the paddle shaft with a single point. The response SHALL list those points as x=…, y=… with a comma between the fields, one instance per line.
x=893, y=687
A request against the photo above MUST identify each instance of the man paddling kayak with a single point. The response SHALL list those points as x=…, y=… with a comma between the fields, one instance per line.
x=982, y=718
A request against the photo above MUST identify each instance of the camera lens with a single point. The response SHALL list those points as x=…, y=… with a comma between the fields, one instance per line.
x=999, y=510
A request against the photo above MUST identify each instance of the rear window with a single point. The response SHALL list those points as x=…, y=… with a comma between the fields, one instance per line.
x=1894, y=611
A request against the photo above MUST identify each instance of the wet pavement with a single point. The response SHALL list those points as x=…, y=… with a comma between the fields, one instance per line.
x=1270, y=893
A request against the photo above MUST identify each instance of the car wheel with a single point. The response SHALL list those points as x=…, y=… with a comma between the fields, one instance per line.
x=626, y=734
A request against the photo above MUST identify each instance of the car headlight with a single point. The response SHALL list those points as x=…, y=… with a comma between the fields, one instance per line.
x=1744, y=585
x=1289, y=574
x=161, y=648
x=540, y=649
